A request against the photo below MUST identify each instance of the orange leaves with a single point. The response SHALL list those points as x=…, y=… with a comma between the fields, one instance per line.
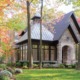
x=6, y=41
x=4, y=35
x=5, y=2
x=1, y=51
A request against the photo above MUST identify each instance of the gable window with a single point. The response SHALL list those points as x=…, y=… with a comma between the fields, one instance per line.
x=67, y=38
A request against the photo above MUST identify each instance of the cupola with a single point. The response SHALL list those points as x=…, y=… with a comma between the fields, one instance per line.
x=36, y=18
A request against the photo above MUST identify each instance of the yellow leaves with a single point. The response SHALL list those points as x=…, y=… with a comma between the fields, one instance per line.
x=4, y=2
x=1, y=13
x=3, y=5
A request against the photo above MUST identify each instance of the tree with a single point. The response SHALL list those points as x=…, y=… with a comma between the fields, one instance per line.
x=29, y=36
x=6, y=48
x=76, y=5
x=40, y=53
x=17, y=22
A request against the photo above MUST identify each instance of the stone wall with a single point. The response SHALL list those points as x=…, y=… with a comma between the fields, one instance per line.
x=66, y=40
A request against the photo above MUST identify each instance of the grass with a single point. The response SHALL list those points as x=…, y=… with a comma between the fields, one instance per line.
x=49, y=74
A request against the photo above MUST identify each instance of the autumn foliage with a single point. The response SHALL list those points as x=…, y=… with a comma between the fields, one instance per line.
x=3, y=5
x=5, y=41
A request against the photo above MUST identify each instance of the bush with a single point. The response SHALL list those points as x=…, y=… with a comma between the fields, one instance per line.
x=2, y=58
x=18, y=64
x=11, y=70
x=6, y=73
x=11, y=64
x=35, y=65
x=62, y=66
x=25, y=65
x=17, y=71
x=71, y=66
x=3, y=66
x=4, y=77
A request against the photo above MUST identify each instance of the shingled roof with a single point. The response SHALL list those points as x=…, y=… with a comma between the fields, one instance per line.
x=59, y=28
x=35, y=34
x=63, y=24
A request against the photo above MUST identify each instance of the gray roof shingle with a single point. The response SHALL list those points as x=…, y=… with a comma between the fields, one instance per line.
x=59, y=29
x=61, y=26
x=35, y=34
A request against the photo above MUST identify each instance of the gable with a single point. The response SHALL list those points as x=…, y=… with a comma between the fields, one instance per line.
x=61, y=26
x=75, y=28
x=68, y=21
x=67, y=37
x=75, y=22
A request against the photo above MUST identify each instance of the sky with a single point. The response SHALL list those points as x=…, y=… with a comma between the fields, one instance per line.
x=64, y=8
x=52, y=3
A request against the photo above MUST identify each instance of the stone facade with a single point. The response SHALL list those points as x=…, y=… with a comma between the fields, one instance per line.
x=66, y=40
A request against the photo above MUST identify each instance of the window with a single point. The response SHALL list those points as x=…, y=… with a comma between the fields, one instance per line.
x=67, y=38
x=34, y=46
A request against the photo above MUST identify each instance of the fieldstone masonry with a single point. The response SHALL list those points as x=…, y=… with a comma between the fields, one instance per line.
x=66, y=40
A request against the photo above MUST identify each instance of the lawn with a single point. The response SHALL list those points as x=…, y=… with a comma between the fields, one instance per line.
x=49, y=74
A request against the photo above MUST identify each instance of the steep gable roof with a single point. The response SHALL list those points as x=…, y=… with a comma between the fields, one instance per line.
x=59, y=28
x=63, y=24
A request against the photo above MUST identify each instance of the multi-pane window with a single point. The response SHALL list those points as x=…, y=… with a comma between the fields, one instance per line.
x=48, y=52
x=35, y=52
x=23, y=52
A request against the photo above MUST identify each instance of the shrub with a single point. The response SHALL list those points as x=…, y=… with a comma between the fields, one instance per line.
x=35, y=65
x=18, y=64
x=71, y=66
x=6, y=73
x=11, y=70
x=25, y=65
x=4, y=77
x=11, y=64
x=17, y=71
x=3, y=66
x=2, y=58
x=62, y=66
x=1, y=69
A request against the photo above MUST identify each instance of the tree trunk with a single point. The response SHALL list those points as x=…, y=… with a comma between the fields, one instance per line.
x=40, y=53
x=30, y=55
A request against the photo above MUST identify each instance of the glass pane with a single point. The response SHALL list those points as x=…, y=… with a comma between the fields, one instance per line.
x=52, y=47
x=52, y=55
x=46, y=47
x=35, y=54
x=34, y=46
x=24, y=54
x=46, y=55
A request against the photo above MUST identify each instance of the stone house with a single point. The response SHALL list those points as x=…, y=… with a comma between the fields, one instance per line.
x=58, y=46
